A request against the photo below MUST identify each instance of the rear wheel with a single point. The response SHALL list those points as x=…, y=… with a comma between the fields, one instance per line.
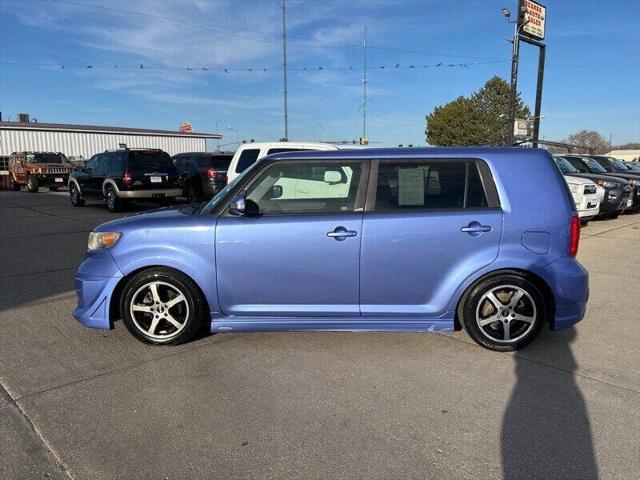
x=75, y=197
x=33, y=184
x=114, y=203
x=504, y=313
x=162, y=306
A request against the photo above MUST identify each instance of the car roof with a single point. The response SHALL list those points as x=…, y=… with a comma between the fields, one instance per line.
x=410, y=153
x=261, y=145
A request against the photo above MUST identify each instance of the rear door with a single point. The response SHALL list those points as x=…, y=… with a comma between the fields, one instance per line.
x=428, y=225
x=152, y=169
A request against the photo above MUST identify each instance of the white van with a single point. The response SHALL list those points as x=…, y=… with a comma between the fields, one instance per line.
x=248, y=153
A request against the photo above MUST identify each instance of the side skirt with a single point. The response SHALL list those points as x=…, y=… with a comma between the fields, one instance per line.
x=221, y=324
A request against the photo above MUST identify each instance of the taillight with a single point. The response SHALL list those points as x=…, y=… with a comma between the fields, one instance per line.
x=212, y=173
x=127, y=178
x=575, y=236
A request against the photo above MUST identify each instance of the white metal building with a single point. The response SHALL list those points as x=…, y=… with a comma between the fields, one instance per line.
x=87, y=140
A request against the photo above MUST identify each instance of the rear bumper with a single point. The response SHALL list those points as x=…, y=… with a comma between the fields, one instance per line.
x=150, y=194
x=569, y=282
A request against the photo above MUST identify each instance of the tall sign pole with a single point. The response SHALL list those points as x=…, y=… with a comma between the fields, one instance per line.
x=284, y=68
x=515, y=56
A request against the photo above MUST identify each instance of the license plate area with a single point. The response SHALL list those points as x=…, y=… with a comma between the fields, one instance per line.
x=59, y=180
x=155, y=179
x=157, y=195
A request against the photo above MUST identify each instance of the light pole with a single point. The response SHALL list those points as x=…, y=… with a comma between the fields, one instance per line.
x=515, y=54
x=237, y=134
x=218, y=132
x=321, y=129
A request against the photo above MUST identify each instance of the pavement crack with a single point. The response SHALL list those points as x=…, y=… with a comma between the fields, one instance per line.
x=36, y=431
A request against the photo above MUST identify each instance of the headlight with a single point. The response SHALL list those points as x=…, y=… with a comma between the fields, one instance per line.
x=607, y=184
x=574, y=188
x=102, y=240
x=634, y=182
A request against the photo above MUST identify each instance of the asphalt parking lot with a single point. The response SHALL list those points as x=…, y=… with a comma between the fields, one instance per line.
x=85, y=404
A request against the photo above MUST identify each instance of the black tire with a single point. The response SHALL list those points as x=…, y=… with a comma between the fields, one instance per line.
x=584, y=223
x=531, y=305
x=113, y=202
x=613, y=216
x=15, y=186
x=33, y=184
x=192, y=195
x=75, y=196
x=168, y=281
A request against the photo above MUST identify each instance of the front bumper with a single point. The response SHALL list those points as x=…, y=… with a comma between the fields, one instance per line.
x=51, y=180
x=589, y=205
x=150, y=194
x=95, y=281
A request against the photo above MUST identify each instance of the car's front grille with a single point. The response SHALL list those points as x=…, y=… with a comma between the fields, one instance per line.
x=589, y=189
x=56, y=170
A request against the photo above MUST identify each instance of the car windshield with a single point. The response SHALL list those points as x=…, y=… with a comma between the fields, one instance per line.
x=46, y=158
x=565, y=166
x=213, y=203
x=150, y=161
x=618, y=164
x=594, y=165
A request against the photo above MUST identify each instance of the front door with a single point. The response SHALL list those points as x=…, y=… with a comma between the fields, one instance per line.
x=300, y=256
x=430, y=225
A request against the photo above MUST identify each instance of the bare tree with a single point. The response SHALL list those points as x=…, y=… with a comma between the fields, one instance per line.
x=589, y=138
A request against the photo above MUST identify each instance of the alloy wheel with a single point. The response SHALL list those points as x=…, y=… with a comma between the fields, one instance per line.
x=506, y=314
x=159, y=310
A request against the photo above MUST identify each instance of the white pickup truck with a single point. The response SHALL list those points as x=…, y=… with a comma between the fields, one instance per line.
x=586, y=197
x=248, y=153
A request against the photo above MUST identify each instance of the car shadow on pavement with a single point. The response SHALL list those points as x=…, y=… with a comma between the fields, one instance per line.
x=545, y=430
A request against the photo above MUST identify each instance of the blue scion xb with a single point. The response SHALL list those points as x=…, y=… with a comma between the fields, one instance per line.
x=411, y=240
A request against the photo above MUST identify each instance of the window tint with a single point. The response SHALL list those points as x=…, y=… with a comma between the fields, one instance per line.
x=101, y=164
x=150, y=161
x=578, y=164
x=247, y=158
x=116, y=167
x=307, y=188
x=91, y=163
x=220, y=162
x=565, y=166
x=428, y=185
x=284, y=150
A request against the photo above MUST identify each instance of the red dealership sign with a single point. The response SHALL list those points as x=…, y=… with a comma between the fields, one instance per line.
x=186, y=127
x=533, y=14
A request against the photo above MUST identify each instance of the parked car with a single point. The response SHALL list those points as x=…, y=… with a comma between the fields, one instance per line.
x=585, y=196
x=634, y=166
x=38, y=169
x=248, y=153
x=589, y=165
x=203, y=174
x=120, y=176
x=419, y=239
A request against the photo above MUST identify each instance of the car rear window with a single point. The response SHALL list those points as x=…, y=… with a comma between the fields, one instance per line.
x=425, y=185
x=247, y=158
x=220, y=162
x=150, y=161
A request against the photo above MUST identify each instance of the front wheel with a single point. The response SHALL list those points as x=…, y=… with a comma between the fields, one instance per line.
x=33, y=184
x=15, y=186
x=75, y=197
x=504, y=313
x=162, y=306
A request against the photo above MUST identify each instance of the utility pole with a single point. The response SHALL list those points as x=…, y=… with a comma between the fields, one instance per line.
x=515, y=56
x=284, y=68
x=364, y=88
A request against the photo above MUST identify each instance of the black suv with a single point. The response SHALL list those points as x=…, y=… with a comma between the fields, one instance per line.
x=202, y=174
x=119, y=176
x=618, y=195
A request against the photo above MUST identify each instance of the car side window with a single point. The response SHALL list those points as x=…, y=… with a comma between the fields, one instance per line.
x=90, y=164
x=247, y=158
x=116, y=166
x=307, y=187
x=427, y=185
x=101, y=164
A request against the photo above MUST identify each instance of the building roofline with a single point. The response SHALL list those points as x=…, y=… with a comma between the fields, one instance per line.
x=61, y=127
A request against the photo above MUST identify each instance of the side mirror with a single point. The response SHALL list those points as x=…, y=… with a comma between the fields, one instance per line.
x=275, y=192
x=334, y=177
x=242, y=207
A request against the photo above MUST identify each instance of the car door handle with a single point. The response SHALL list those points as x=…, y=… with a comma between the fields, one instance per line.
x=475, y=228
x=341, y=233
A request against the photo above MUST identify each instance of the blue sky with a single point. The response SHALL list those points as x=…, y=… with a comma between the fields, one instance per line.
x=592, y=80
